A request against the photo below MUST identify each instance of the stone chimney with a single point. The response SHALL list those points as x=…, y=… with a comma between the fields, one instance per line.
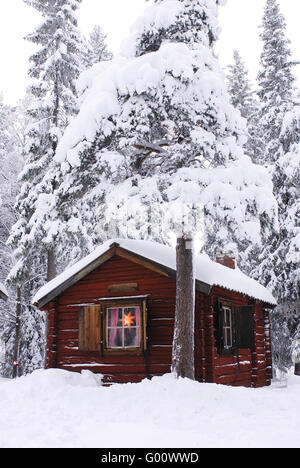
x=226, y=260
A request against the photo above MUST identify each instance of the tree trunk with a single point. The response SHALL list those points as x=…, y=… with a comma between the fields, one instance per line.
x=17, y=337
x=183, y=343
x=51, y=265
x=297, y=368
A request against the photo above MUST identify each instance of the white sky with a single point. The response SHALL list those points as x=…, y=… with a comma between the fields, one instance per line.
x=239, y=21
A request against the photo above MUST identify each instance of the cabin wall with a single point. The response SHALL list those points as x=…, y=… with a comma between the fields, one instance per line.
x=204, y=338
x=253, y=368
x=63, y=349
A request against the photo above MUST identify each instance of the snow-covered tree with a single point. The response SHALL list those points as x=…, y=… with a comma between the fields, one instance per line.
x=12, y=123
x=156, y=129
x=97, y=49
x=279, y=261
x=281, y=343
x=54, y=68
x=286, y=178
x=275, y=79
x=243, y=98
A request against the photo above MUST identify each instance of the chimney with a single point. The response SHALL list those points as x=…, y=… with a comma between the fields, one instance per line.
x=226, y=260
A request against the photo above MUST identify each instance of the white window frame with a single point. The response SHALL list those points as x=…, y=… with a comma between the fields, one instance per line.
x=227, y=310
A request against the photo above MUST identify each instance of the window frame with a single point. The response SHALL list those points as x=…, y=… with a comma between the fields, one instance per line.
x=222, y=349
x=124, y=303
x=227, y=310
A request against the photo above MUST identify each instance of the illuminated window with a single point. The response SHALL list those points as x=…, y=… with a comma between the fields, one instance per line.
x=123, y=327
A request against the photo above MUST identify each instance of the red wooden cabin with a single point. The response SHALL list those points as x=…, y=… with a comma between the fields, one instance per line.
x=113, y=313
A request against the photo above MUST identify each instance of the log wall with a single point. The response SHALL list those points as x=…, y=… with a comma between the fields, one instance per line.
x=63, y=335
x=248, y=368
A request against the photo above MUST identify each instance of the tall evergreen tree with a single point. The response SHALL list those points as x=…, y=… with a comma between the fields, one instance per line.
x=243, y=98
x=54, y=68
x=279, y=124
x=279, y=261
x=275, y=79
x=12, y=124
x=156, y=126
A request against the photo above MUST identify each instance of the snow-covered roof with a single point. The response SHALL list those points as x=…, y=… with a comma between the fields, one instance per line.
x=206, y=271
x=3, y=291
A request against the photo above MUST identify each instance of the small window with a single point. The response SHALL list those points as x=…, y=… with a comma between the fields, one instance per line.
x=227, y=327
x=224, y=327
x=234, y=327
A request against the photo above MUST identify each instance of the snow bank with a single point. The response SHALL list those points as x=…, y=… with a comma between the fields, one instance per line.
x=55, y=408
x=206, y=270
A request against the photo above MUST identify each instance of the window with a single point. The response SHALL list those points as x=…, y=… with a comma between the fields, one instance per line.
x=123, y=327
x=227, y=327
x=224, y=327
x=113, y=326
x=234, y=327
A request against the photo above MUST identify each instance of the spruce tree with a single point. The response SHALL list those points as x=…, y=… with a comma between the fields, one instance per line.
x=97, y=50
x=54, y=68
x=280, y=127
x=156, y=129
x=275, y=79
x=278, y=263
x=12, y=123
x=243, y=98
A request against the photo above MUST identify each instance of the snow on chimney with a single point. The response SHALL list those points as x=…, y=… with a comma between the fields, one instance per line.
x=226, y=260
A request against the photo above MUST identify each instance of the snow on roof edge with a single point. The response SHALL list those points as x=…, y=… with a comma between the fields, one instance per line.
x=206, y=270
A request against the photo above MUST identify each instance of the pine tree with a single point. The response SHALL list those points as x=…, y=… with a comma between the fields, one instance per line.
x=12, y=123
x=54, y=68
x=279, y=261
x=286, y=177
x=275, y=79
x=280, y=126
x=243, y=99
x=156, y=129
x=97, y=47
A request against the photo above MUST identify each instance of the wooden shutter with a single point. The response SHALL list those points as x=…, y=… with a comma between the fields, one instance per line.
x=144, y=317
x=245, y=327
x=89, y=328
x=218, y=326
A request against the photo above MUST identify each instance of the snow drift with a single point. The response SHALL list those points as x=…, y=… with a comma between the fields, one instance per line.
x=56, y=408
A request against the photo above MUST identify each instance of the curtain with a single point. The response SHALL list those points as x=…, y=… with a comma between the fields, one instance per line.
x=113, y=321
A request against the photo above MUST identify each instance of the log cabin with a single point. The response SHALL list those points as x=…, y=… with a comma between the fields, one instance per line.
x=3, y=292
x=113, y=313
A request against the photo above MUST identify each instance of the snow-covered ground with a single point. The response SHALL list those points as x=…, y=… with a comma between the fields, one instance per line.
x=56, y=408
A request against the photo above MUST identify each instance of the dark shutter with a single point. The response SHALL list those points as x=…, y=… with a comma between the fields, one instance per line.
x=245, y=327
x=218, y=326
x=89, y=328
x=144, y=317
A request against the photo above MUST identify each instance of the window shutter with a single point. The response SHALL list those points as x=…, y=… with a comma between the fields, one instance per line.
x=218, y=326
x=245, y=327
x=145, y=323
x=89, y=328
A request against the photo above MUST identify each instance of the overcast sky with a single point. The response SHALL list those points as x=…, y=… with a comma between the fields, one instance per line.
x=239, y=20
